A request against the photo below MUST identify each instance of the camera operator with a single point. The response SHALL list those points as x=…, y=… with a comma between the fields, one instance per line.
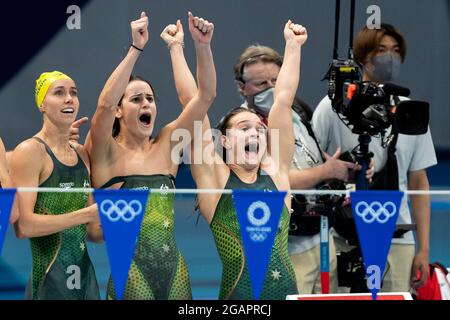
x=381, y=52
x=256, y=72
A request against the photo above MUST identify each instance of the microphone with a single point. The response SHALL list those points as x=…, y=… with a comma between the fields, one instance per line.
x=395, y=90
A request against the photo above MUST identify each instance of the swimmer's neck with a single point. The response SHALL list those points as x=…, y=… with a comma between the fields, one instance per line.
x=247, y=175
x=134, y=143
x=55, y=137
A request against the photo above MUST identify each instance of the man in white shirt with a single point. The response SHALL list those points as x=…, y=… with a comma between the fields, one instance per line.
x=381, y=52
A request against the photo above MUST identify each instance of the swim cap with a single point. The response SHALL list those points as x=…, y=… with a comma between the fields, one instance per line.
x=44, y=82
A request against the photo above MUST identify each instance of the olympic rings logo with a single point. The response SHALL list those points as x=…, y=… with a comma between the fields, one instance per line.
x=375, y=211
x=251, y=213
x=121, y=209
x=164, y=190
x=258, y=233
x=258, y=236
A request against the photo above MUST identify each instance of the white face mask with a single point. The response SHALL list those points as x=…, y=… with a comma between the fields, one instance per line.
x=387, y=67
x=262, y=101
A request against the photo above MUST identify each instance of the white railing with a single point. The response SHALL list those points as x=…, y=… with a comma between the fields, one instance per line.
x=227, y=191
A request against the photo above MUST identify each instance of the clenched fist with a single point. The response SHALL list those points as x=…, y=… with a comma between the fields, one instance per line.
x=295, y=32
x=201, y=29
x=173, y=34
x=139, y=31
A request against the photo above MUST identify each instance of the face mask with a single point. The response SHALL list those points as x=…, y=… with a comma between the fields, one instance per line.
x=262, y=101
x=387, y=67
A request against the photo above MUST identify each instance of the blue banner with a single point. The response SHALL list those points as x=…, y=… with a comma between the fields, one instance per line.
x=121, y=213
x=375, y=214
x=6, y=203
x=258, y=215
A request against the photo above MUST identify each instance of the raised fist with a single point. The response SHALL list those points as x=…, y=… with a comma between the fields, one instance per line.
x=139, y=31
x=173, y=34
x=201, y=29
x=295, y=32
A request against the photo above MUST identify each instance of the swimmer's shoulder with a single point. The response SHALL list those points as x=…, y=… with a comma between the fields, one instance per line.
x=29, y=149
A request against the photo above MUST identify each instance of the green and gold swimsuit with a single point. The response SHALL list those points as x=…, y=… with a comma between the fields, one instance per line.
x=61, y=267
x=158, y=270
x=280, y=277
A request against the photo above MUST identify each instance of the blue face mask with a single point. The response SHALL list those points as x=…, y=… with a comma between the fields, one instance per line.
x=262, y=102
x=387, y=67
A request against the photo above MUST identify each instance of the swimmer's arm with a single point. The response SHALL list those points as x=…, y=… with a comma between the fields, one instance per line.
x=25, y=173
x=207, y=163
x=197, y=108
x=173, y=36
x=94, y=232
x=208, y=170
x=94, y=229
x=186, y=89
x=206, y=167
x=103, y=119
x=185, y=83
x=280, y=116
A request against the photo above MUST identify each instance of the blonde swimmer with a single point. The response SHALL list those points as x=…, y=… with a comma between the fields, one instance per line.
x=56, y=223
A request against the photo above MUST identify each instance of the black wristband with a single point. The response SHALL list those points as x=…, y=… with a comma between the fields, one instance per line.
x=138, y=49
